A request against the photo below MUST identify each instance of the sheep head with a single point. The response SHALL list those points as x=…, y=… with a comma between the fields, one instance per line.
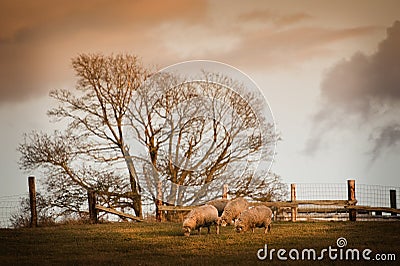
x=241, y=225
x=188, y=225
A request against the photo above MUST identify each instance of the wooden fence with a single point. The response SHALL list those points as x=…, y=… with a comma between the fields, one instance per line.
x=94, y=208
x=348, y=206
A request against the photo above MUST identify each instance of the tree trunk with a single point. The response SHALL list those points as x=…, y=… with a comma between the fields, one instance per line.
x=137, y=205
x=135, y=188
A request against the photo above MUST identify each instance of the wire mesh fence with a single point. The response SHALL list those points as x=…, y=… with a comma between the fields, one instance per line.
x=10, y=206
x=335, y=193
x=316, y=191
x=376, y=195
x=368, y=197
x=382, y=197
x=375, y=198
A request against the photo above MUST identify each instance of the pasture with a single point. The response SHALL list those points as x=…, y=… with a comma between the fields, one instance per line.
x=163, y=244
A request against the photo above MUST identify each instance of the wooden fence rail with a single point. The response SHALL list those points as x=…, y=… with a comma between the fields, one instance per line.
x=121, y=214
x=302, y=206
x=375, y=209
x=343, y=205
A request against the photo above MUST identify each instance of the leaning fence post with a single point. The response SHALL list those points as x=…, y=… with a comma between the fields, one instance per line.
x=32, y=201
x=92, y=206
x=225, y=192
x=351, y=197
x=293, y=199
x=393, y=203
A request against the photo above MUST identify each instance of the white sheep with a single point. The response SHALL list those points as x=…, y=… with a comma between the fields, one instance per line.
x=259, y=216
x=219, y=204
x=232, y=210
x=202, y=216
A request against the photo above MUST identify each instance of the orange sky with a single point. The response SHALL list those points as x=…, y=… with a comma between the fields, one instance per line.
x=288, y=47
x=38, y=39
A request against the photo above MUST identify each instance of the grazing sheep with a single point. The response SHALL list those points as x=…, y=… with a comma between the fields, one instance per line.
x=219, y=204
x=202, y=216
x=232, y=210
x=259, y=216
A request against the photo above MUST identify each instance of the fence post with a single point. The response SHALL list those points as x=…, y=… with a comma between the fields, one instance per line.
x=32, y=201
x=225, y=192
x=92, y=206
x=159, y=213
x=351, y=196
x=293, y=199
x=393, y=203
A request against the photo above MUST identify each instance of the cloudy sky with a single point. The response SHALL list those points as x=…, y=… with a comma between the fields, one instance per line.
x=329, y=69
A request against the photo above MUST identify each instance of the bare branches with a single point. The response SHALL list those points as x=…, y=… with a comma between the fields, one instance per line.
x=196, y=134
x=198, y=131
x=56, y=151
x=95, y=113
x=106, y=86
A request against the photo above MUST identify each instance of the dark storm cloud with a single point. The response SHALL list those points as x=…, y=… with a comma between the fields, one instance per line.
x=366, y=88
x=363, y=82
x=388, y=137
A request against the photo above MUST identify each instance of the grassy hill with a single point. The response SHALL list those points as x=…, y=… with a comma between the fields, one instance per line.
x=164, y=244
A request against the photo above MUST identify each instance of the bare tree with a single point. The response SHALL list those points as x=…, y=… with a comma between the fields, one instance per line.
x=199, y=135
x=70, y=172
x=95, y=115
x=196, y=135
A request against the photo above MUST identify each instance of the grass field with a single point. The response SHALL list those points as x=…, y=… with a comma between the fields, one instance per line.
x=164, y=244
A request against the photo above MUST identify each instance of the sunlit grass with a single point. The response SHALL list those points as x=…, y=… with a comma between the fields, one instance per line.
x=164, y=243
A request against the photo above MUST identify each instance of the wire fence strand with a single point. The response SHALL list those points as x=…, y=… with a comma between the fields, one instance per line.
x=9, y=206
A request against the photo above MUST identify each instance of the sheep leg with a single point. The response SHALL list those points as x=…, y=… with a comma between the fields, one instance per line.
x=199, y=231
x=208, y=230
x=217, y=229
x=267, y=229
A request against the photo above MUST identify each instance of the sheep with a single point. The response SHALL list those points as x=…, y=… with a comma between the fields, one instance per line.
x=232, y=210
x=219, y=204
x=202, y=216
x=259, y=216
